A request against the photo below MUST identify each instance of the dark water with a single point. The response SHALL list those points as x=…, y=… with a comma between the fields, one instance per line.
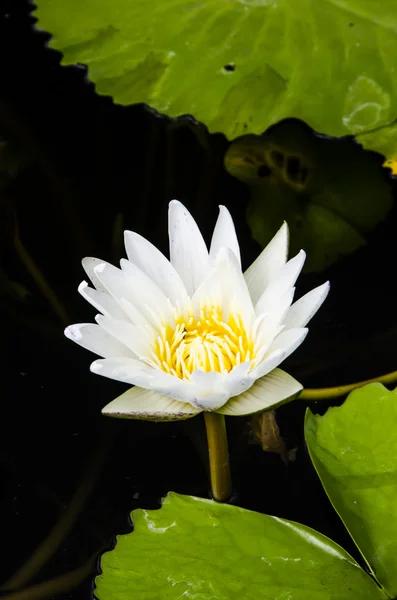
x=83, y=162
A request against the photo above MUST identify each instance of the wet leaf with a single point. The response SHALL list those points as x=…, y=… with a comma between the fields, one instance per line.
x=354, y=450
x=199, y=548
x=238, y=66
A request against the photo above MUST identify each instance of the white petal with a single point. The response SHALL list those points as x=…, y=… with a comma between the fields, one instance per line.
x=94, y=338
x=173, y=387
x=128, y=370
x=225, y=287
x=156, y=266
x=138, y=403
x=188, y=252
x=209, y=292
x=272, y=360
x=122, y=287
x=224, y=235
x=89, y=263
x=265, y=268
x=204, y=390
x=238, y=380
x=236, y=294
x=281, y=347
x=137, y=318
x=128, y=334
x=276, y=388
x=210, y=390
x=145, y=293
x=284, y=281
x=102, y=301
x=273, y=322
x=112, y=280
x=140, y=374
x=289, y=340
x=306, y=307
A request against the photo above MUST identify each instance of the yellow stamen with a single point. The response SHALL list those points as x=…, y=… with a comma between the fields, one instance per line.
x=208, y=343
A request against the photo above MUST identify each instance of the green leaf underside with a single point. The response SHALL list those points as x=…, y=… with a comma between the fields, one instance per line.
x=354, y=450
x=238, y=65
x=195, y=548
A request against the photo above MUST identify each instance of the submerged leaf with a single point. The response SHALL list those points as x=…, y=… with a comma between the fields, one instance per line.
x=330, y=191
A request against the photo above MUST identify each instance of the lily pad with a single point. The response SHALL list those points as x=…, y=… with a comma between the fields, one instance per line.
x=238, y=66
x=200, y=549
x=354, y=450
x=382, y=139
x=330, y=191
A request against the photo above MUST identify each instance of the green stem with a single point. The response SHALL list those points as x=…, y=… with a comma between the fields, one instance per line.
x=343, y=390
x=221, y=482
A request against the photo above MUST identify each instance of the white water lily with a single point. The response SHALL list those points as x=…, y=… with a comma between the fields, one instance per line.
x=194, y=333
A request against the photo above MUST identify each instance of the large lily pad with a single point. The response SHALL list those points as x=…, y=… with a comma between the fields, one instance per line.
x=238, y=66
x=195, y=548
x=354, y=450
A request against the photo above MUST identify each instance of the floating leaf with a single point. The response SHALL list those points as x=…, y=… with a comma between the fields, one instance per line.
x=354, y=450
x=330, y=191
x=238, y=66
x=200, y=549
x=382, y=139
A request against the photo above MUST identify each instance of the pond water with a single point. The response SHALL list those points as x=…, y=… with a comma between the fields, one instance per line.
x=88, y=169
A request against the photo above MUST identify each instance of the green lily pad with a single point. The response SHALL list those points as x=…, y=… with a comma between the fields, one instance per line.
x=354, y=450
x=238, y=66
x=196, y=548
x=382, y=139
x=330, y=191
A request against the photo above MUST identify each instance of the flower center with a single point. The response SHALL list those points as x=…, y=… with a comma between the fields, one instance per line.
x=208, y=343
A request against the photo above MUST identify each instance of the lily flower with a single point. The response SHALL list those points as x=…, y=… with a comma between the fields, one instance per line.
x=194, y=333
